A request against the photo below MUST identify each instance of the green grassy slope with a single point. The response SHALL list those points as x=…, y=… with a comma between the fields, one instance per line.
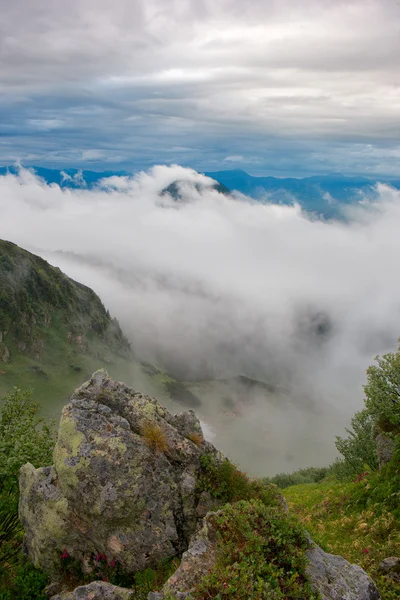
x=352, y=520
x=54, y=332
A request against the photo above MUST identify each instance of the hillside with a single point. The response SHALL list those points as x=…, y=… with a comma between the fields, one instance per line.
x=53, y=330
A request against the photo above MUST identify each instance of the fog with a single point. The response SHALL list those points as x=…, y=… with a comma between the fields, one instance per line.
x=212, y=287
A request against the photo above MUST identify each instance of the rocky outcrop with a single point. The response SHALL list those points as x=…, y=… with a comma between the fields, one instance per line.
x=333, y=577
x=123, y=483
x=337, y=579
x=97, y=590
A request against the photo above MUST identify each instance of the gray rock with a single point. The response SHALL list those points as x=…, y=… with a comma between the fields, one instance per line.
x=337, y=579
x=196, y=562
x=390, y=567
x=385, y=447
x=392, y=563
x=123, y=482
x=97, y=590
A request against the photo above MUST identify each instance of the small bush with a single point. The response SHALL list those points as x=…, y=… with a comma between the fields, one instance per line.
x=24, y=437
x=155, y=437
x=260, y=555
x=382, y=391
x=151, y=580
x=24, y=582
x=227, y=484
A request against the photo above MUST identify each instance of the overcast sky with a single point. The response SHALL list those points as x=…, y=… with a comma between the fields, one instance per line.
x=284, y=87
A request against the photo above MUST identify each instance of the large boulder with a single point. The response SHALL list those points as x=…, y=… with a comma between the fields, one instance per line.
x=332, y=576
x=123, y=483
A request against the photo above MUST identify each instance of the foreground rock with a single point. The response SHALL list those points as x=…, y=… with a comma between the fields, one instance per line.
x=337, y=579
x=332, y=576
x=97, y=590
x=391, y=568
x=123, y=483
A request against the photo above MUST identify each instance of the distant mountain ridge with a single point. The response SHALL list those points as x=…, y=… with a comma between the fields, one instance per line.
x=326, y=196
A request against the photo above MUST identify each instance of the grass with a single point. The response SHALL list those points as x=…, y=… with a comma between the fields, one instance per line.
x=196, y=438
x=351, y=520
x=155, y=438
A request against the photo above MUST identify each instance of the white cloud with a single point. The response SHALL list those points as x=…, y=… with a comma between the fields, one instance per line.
x=235, y=158
x=92, y=154
x=235, y=285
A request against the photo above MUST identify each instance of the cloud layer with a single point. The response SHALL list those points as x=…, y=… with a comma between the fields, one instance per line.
x=281, y=87
x=216, y=286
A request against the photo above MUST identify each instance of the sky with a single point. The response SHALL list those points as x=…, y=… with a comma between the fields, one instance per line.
x=284, y=87
x=231, y=286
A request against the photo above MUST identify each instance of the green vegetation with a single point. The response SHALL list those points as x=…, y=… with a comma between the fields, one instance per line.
x=383, y=391
x=309, y=475
x=23, y=582
x=52, y=329
x=358, y=520
x=24, y=437
x=224, y=482
x=355, y=512
x=260, y=555
x=153, y=579
x=358, y=449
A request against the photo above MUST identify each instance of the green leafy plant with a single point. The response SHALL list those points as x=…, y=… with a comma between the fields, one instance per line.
x=382, y=391
x=358, y=449
x=24, y=582
x=260, y=555
x=24, y=437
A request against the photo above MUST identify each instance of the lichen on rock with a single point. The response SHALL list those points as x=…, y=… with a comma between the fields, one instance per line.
x=109, y=491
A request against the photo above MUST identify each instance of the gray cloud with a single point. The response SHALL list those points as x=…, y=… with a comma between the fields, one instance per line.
x=278, y=82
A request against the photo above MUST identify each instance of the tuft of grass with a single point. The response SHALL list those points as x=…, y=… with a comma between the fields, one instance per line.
x=196, y=438
x=260, y=554
x=155, y=437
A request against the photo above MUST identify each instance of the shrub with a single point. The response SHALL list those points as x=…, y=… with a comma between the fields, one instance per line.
x=260, y=555
x=358, y=449
x=155, y=437
x=23, y=583
x=382, y=390
x=308, y=475
x=150, y=580
x=226, y=483
x=24, y=437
